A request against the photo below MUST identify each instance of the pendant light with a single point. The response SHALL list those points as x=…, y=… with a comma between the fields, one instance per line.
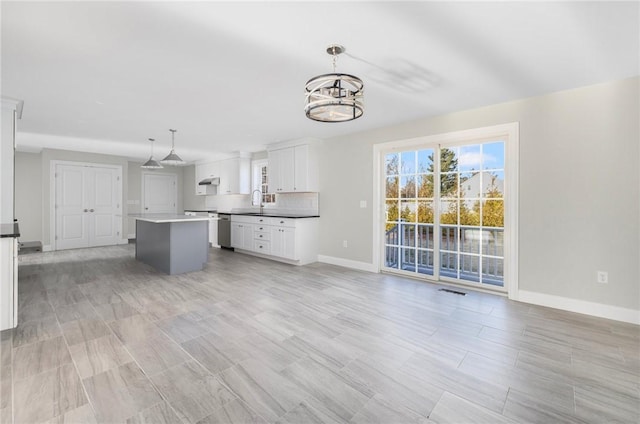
x=334, y=97
x=151, y=163
x=172, y=158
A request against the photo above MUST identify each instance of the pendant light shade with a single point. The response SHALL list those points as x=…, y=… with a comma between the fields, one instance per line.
x=172, y=158
x=334, y=97
x=151, y=163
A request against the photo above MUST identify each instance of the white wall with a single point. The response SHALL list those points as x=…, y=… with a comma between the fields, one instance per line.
x=28, y=186
x=579, y=189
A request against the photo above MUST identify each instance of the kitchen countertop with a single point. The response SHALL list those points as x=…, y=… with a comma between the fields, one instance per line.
x=9, y=230
x=201, y=210
x=159, y=218
x=277, y=214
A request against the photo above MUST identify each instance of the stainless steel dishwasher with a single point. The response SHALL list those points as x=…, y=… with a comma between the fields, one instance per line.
x=224, y=230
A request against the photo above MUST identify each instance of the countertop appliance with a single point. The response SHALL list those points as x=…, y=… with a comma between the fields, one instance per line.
x=224, y=230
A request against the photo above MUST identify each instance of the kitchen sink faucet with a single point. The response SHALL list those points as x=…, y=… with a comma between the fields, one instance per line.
x=259, y=199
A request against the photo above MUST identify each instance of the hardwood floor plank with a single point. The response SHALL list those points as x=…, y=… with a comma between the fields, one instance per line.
x=38, y=357
x=35, y=331
x=454, y=409
x=160, y=413
x=265, y=391
x=47, y=395
x=99, y=355
x=83, y=330
x=157, y=354
x=235, y=411
x=192, y=391
x=120, y=393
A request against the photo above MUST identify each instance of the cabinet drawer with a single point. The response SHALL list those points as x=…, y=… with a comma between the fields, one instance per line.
x=262, y=247
x=261, y=227
x=262, y=235
x=283, y=222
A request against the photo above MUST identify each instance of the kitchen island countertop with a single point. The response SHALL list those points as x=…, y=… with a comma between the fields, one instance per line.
x=166, y=217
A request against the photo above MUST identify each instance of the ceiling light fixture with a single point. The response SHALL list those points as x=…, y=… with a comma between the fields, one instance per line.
x=172, y=158
x=151, y=163
x=334, y=97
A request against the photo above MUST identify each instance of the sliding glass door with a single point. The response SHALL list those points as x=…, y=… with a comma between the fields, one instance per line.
x=444, y=212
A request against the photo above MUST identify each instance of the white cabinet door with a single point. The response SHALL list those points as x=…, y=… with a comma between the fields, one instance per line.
x=229, y=173
x=9, y=286
x=281, y=170
x=305, y=168
x=242, y=235
x=283, y=242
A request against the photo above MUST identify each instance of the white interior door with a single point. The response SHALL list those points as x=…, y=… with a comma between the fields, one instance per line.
x=72, y=230
x=159, y=193
x=104, y=205
x=87, y=206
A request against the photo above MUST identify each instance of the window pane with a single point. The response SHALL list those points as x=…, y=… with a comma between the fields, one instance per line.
x=470, y=240
x=408, y=187
x=425, y=186
x=408, y=211
x=408, y=259
x=470, y=158
x=425, y=161
x=449, y=159
x=493, y=242
x=493, y=271
x=425, y=212
x=425, y=262
x=493, y=184
x=425, y=236
x=493, y=213
x=470, y=212
x=449, y=185
x=449, y=265
x=470, y=185
x=449, y=212
x=391, y=163
x=469, y=268
x=449, y=238
x=407, y=235
x=391, y=211
x=493, y=155
x=391, y=257
x=408, y=162
x=392, y=190
x=392, y=234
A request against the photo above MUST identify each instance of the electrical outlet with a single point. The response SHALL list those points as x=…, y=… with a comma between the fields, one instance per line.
x=344, y=243
x=603, y=277
x=363, y=203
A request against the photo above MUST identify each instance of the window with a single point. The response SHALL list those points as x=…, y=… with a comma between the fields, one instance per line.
x=260, y=180
x=446, y=207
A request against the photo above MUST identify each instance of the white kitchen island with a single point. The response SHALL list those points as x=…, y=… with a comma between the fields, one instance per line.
x=173, y=244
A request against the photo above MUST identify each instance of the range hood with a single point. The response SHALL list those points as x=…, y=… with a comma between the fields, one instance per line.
x=213, y=181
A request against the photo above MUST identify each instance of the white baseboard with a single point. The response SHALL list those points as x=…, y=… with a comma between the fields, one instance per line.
x=347, y=263
x=46, y=248
x=581, y=306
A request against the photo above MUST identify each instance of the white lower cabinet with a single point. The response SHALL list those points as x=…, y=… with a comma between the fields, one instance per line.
x=285, y=239
x=241, y=235
x=8, y=283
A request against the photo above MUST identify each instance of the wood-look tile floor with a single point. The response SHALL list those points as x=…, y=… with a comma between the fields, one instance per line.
x=103, y=338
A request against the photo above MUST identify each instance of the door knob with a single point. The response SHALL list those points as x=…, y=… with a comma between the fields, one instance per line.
x=146, y=209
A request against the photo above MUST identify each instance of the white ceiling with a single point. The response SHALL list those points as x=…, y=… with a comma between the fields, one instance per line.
x=103, y=77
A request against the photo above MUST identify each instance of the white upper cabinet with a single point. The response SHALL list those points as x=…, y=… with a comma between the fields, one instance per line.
x=234, y=174
x=294, y=169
